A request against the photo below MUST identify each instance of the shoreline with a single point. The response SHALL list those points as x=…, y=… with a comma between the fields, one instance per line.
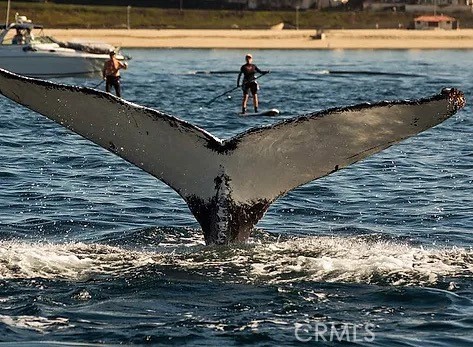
x=272, y=39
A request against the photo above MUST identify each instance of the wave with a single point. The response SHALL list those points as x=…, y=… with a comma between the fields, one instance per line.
x=217, y=72
x=366, y=72
x=318, y=259
x=319, y=72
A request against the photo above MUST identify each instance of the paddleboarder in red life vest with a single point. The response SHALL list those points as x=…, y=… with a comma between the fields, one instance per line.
x=111, y=73
x=249, y=84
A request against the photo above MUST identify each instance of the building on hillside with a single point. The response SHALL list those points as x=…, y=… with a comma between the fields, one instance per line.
x=435, y=22
x=384, y=5
x=174, y=4
x=282, y=4
x=416, y=6
x=211, y=4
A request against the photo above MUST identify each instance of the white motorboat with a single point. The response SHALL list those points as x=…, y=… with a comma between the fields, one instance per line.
x=22, y=52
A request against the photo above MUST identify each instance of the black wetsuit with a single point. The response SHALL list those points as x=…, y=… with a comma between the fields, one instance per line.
x=115, y=82
x=249, y=83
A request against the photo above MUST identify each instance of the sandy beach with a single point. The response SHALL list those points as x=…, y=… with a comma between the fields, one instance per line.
x=273, y=39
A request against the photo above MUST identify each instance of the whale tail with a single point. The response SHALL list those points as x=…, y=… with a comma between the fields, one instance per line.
x=228, y=185
x=222, y=219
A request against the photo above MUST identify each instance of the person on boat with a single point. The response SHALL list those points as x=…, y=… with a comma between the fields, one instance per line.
x=248, y=71
x=111, y=73
x=18, y=39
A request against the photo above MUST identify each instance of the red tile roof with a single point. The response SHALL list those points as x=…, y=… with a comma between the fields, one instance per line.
x=441, y=18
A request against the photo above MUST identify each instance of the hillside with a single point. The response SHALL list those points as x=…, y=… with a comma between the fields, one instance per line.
x=79, y=16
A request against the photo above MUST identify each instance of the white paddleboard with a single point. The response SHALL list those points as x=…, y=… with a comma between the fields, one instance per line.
x=267, y=113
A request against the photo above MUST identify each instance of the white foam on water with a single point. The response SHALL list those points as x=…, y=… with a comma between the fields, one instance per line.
x=39, y=324
x=77, y=261
x=320, y=72
x=336, y=259
x=321, y=259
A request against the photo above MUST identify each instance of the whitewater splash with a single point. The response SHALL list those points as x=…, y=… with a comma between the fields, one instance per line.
x=74, y=261
x=318, y=259
x=39, y=324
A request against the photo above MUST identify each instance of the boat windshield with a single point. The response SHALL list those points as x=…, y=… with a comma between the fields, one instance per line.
x=16, y=36
x=20, y=32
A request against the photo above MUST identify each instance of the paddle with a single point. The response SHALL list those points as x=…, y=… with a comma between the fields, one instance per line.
x=231, y=90
x=95, y=87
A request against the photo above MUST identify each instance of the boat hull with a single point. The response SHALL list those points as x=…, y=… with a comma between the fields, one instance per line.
x=51, y=64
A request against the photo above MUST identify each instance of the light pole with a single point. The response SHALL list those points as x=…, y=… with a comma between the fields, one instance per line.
x=7, y=19
x=297, y=17
x=180, y=5
x=128, y=8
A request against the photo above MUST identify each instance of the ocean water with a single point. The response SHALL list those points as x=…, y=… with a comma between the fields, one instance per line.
x=94, y=251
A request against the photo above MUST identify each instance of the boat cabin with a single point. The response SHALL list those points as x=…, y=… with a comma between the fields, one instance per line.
x=20, y=32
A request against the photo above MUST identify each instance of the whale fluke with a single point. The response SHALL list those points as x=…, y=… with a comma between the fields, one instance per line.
x=228, y=185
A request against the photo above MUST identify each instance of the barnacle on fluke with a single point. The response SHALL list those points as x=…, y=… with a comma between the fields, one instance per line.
x=456, y=98
x=228, y=185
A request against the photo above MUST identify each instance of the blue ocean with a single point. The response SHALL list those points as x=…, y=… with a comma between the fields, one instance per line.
x=94, y=251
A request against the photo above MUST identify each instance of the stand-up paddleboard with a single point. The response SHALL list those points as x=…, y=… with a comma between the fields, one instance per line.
x=267, y=113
